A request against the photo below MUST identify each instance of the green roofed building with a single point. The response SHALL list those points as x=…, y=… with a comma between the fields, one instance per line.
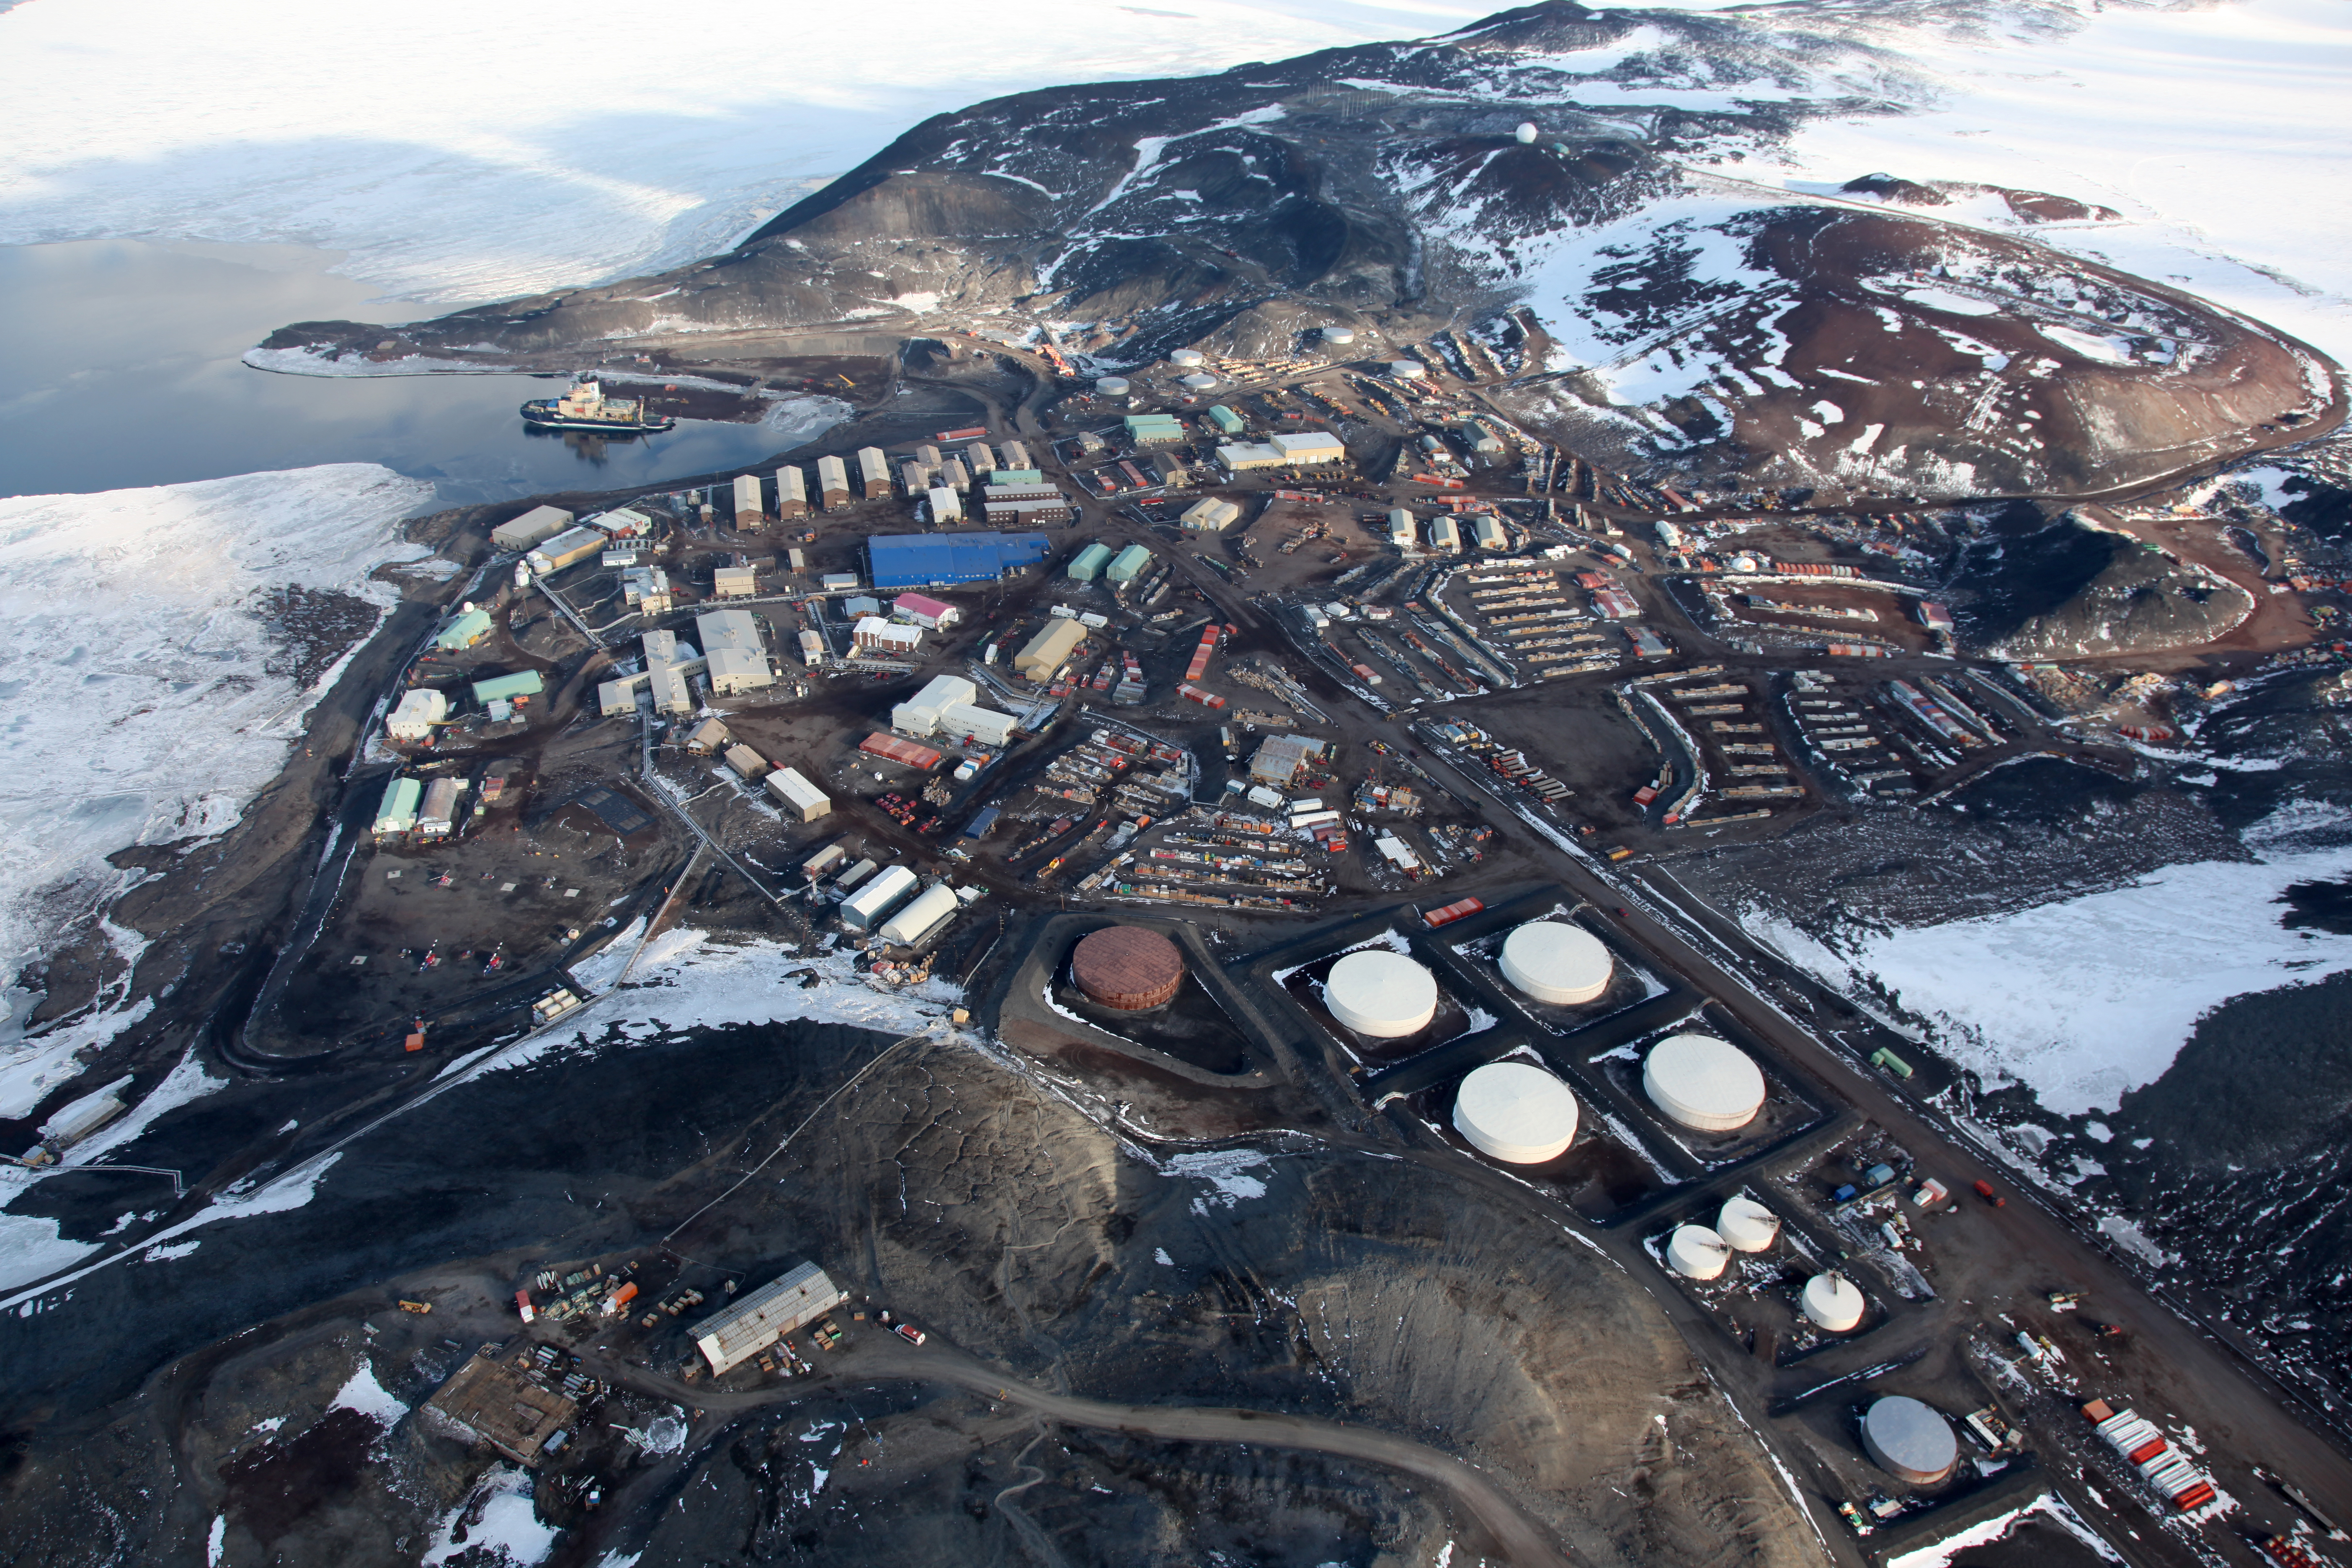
x=1130, y=564
x=1155, y=430
x=397, y=814
x=522, y=683
x=1088, y=564
x=465, y=631
x=1227, y=421
x=1017, y=476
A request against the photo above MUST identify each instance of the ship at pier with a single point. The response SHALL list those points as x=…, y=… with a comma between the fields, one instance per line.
x=585, y=407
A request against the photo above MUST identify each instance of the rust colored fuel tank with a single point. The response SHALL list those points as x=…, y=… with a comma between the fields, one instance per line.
x=1128, y=968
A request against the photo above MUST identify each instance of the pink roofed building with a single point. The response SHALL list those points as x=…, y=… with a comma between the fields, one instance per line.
x=925, y=611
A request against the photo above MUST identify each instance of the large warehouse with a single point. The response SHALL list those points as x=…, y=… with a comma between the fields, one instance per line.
x=751, y=1323
x=927, y=559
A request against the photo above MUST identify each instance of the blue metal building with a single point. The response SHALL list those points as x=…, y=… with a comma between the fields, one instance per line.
x=925, y=559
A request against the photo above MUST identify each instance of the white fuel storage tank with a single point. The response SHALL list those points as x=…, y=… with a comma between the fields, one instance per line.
x=1831, y=1302
x=1516, y=1111
x=1695, y=1252
x=1703, y=1083
x=1747, y=1226
x=1381, y=993
x=1552, y=961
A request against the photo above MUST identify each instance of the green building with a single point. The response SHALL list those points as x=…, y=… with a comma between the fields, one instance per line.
x=1088, y=564
x=1130, y=564
x=1227, y=422
x=522, y=683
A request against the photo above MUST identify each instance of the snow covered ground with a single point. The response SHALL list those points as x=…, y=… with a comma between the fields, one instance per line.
x=636, y=138
x=136, y=681
x=2217, y=132
x=2214, y=130
x=2086, y=998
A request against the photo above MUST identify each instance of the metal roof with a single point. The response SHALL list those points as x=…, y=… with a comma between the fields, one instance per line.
x=759, y=1319
x=522, y=683
x=918, y=560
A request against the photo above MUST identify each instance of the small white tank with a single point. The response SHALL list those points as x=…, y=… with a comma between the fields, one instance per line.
x=1695, y=1252
x=1831, y=1302
x=1199, y=381
x=1747, y=1226
x=1342, y=336
x=1112, y=386
x=1188, y=358
x=1527, y=133
x=1407, y=369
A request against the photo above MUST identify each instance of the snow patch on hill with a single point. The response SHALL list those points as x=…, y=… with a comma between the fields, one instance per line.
x=2086, y=998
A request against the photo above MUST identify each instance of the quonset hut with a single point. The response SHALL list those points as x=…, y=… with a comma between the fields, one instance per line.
x=1381, y=993
x=1516, y=1112
x=1128, y=968
x=1554, y=962
x=1703, y=1083
x=1909, y=1440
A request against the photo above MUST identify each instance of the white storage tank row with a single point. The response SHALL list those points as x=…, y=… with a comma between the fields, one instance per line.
x=1552, y=961
x=1516, y=1112
x=1381, y=993
x=1703, y=1083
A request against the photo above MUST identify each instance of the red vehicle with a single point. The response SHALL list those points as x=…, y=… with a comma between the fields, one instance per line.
x=1984, y=1190
x=908, y=1332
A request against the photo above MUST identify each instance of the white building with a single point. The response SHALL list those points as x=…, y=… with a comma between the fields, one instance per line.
x=872, y=634
x=945, y=505
x=985, y=725
x=866, y=907
x=672, y=694
x=733, y=671
x=728, y=629
x=1241, y=457
x=797, y=796
x=925, y=611
x=933, y=907
x=1403, y=533
x=420, y=709
x=1209, y=514
x=919, y=715
x=1308, y=447
x=747, y=499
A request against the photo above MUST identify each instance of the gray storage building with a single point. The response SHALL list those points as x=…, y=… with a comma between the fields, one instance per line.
x=753, y=1322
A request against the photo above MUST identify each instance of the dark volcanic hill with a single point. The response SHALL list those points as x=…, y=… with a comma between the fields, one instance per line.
x=1654, y=312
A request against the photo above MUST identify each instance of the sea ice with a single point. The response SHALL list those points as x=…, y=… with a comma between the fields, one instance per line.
x=141, y=677
x=410, y=143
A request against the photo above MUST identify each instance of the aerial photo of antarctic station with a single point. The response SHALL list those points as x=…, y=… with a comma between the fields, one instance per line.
x=1260, y=784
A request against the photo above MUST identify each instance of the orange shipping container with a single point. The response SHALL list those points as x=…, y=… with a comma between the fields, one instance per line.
x=623, y=1297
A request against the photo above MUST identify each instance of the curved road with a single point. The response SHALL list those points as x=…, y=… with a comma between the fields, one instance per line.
x=1519, y=1538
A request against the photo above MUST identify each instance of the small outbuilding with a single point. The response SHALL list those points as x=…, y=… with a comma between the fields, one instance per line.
x=802, y=799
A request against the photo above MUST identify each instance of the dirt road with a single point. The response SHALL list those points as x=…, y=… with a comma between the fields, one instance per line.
x=1516, y=1535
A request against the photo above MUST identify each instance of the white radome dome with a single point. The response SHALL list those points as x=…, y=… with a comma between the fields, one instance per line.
x=1831, y=1302
x=1747, y=1226
x=1527, y=133
x=1703, y=1083
x=1552, y=961
x=1695, y=1252
x=1516, y=1112
x=1381, y=993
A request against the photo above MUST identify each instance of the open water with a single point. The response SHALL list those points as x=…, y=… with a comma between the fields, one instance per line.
x=121, y=366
